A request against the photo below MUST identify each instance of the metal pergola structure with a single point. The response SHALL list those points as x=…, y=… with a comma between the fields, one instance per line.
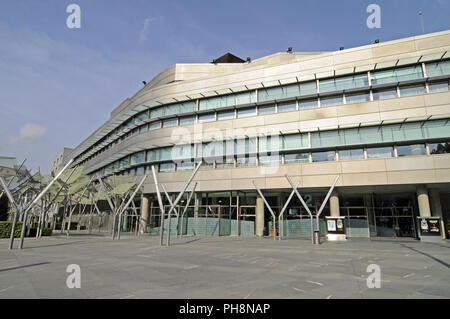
x=295, y=191
x=70, y=189
x=35, y=196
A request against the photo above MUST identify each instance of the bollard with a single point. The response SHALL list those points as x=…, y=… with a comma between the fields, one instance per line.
x=316, y=237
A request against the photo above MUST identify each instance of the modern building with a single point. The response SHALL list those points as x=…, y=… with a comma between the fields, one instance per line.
x=60, y=160
x=376, y=115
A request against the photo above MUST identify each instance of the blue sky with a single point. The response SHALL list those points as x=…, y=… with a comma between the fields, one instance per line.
x=57, y=85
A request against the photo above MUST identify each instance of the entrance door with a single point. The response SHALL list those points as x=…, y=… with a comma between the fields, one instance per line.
x=246, y=221
x=394, y=222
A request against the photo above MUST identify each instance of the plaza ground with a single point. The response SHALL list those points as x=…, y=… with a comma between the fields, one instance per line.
x=225, y=267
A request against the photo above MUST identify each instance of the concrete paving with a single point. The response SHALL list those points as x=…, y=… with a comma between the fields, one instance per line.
x=225, y=267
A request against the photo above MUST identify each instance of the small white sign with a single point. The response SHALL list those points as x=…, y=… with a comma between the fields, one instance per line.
x=331, y=225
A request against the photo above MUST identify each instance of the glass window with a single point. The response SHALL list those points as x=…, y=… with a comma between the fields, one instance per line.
x=137, y=158
x=154, y=126
x=170, y=123
x=143, y=129
x=108, y=169
x=212, y=149
x=183, y=151
x=323, y=156
x=344, y=82
x=269, y=160
x=226, y=115
x=164, y=153
x=439, y=148
x=327, y=138
x=207, y=117
x=357, y=98
x=307, y=104
x=187, y=120
x=131, y=172
x=286, y=107
x=157, y=112
x=141, y=117
x=437, y=129
x=124, y=162
x=438, y=68
x=403, y=132
x=412, y=90
x=397, y=75
x=380, y=152
x=152, y=155
x=140, y=171
x=245, y=161
x=411, y=150
x=188, y=106
x=347, y=155
x=278, y=92
x=330, y=101
x=438, y=87
x=227, y=100
x=307, y=88
x=184, y=166
x=224, y=162
x=246, y=112
x=266, y=109
x=166, y=167
x=385, y=94
x=245, y=146
x=294, y=141
x=270, y=143
x=127, y=124
x=296, y=158
x=172, y=109
x=135, y=131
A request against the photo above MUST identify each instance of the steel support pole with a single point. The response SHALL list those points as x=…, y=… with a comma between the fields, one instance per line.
x=180, y=195
x=108, y=199
x=161, y=207
x=22, y=235
x=79, y=198
x=129, y=202
x=270, y=209
x=186, y=207
x=171, y=203
x=304, y=205
x=281, y=233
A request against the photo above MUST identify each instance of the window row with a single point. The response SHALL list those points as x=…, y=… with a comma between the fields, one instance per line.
x=285, y=107
x=351, y=137
x=307, y=157
x=290, y=91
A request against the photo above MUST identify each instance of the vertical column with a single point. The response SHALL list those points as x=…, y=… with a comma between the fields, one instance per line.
x=197, y=203
x=424, y=203
x=334, y=204
x=259, y=218
x=144, y=214
x=436, y=208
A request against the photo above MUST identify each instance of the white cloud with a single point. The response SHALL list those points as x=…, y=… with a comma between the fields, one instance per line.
x=28, y=133
x=143, y=35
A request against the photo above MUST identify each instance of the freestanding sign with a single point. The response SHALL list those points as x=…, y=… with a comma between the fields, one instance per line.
x=430, y=228
x=336, y=228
